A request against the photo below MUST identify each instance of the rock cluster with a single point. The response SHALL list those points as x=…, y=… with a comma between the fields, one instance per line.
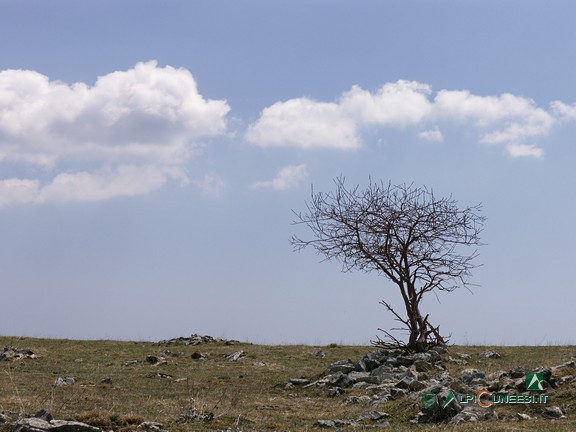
x=372, y=417
x=12, y=353
x=386, y=375
x=35, y=424
x=196, y=339
x=43, y=422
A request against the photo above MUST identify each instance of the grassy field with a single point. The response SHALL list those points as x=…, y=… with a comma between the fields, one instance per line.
x=116, y=388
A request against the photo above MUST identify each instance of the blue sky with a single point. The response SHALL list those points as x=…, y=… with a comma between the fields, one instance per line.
x=151, y=154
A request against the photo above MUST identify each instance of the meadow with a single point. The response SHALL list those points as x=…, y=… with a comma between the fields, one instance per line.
x=118, y=385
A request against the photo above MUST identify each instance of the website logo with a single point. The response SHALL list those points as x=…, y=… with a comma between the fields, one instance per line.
x=428, y=400
x=449, y=399
x=534, y=381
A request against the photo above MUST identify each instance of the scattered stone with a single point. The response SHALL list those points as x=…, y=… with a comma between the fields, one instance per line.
x=60, y=382
x=553, y=412
x=333, y=391
x=130, y=363
x=195, y=339
x=518, y=372
x=523, y=417
x=10, y=353
x=299, y=381
x=235, y=356
x=411, y=384
x=440, y=349
x=39, y=425
x=161, y=375
x=491, y=354
x=423, y=366
x=260, y=364
x=465, y=416
x=397, y=393
x=334, y=423
x=468, y=375
x=429, y=356
x=149, y=426
x=320, y=354
x=353, y=400
x=343, y=366
x=197, y=355
x=376, y=416
x=156, y=361
x=568, y=365
x=106, y=380
x=343, y=381
x=44, y=415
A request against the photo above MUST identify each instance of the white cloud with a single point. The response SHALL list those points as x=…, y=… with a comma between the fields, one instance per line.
x=524, y=150
x=18, y=191
x=564, y=111
x=397, y=104
x=146, y=120
x=506, y=119
x=210, y=185
x=124, y=181
x=304, y=123
x=432, y=135
x=286, y=178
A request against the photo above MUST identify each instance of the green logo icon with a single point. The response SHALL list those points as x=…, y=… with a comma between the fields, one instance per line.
x=428, y=400
x=449, y=399
x=534, y=381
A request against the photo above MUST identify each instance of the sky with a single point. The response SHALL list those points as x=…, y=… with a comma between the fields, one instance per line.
x=152, y=154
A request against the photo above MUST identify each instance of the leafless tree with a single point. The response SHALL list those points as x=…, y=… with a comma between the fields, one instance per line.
x=405, y=233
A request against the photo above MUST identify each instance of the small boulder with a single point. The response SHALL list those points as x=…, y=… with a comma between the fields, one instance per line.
x=523, y=417
x=197, y=355
x=40, y=425
x=344, y=366
x=468, y=375
x=553, y=412
x=491, y=354
x=235, y=356
x=423, y=366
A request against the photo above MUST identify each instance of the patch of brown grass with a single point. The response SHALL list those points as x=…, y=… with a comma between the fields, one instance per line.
x=241, y=395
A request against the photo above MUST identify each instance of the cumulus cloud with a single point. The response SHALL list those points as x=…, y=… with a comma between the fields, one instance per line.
x=286, y=178
x=564, y=111
x=304, y=123
x=124, y=181
x=524, y=150
x=397, y=104
x=505, y=119
x=146, y=120
x=432, y=135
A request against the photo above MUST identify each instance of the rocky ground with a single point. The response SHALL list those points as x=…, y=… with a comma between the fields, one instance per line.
x=386, y=375
x=203, y=383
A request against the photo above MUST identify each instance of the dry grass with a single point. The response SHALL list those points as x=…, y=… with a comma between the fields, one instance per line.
x=242, y=395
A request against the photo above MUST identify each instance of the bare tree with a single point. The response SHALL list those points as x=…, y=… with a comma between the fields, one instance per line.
x=402, y=232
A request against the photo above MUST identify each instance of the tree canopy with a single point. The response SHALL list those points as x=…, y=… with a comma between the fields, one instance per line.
x=405, y=233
